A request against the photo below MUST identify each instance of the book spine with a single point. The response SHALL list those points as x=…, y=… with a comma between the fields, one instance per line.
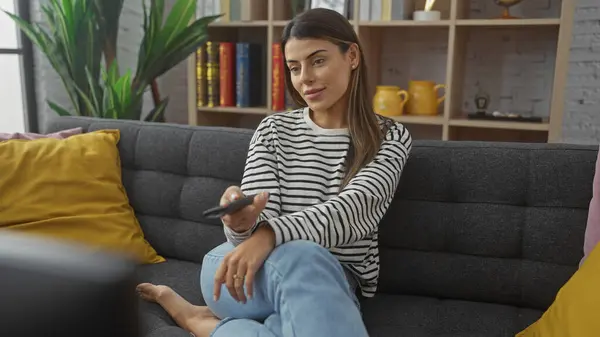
x=386, y=10
x=242, y=75
x=209, y=7
x=278, y=93
x=201, y=77
x=212, y=73
x=402, y=9
x=376, y=10
x=365, y=10
x=252, y=10
x=235, y=8
x=224, y=8
x=200, y=9
x=257, y=70
x=226, y=73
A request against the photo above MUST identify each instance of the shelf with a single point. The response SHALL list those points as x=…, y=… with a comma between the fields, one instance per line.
x=520, y=63
x=423, y=120
x=508, y=22
x=280, y=23
x=235, y=110
x=240, y=24
x=499, y=124
x=283, y=23
x=405, y=23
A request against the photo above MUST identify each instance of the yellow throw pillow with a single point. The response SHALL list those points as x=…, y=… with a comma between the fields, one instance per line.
x=576, y=308
x=71, y=190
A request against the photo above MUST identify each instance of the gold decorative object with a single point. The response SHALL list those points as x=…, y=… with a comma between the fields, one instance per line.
x=389, y=100
x=423, y=97
x=507, y=4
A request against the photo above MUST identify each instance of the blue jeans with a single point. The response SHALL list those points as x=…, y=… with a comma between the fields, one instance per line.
x=301, y=291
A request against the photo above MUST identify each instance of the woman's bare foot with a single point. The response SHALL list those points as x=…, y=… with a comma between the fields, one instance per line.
x=150, y=292
x=198, y=320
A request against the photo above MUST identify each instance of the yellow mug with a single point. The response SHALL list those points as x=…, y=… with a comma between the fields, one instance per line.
x=424, y=98
x=389, y=100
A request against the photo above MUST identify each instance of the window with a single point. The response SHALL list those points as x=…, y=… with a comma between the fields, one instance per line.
x=16, y=62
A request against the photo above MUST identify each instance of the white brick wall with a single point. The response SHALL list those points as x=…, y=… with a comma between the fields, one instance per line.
x=581, y=123
x=413, y=54
x=514, y=66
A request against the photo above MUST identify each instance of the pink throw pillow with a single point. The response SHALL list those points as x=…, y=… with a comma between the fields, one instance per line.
x=592, y=231
x=31, y=136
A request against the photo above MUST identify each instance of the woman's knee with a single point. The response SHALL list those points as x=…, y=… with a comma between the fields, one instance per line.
x=211, y=262
x=220, y=250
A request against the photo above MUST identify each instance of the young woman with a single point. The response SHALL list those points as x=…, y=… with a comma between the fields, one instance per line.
x=324, y=176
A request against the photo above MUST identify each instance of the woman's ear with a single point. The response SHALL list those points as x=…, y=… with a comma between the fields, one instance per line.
x=354, y=55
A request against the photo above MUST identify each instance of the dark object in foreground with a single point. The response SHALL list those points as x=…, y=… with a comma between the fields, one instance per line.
x=50, y=289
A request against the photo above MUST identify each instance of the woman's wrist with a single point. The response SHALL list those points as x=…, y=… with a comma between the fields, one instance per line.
x=241, y=231
x=264, y=229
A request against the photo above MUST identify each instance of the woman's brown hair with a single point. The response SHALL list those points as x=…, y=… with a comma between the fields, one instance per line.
x=365, y=132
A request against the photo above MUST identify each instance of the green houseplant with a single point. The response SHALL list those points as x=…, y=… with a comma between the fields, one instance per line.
x=81, y=45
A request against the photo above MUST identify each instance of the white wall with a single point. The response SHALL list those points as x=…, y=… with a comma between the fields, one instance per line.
x=12, y=112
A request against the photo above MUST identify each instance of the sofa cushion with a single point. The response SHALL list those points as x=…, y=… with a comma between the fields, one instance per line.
x=62, y=134
x=416, y=316
x=172, y=173
x=70, y=190
x=489, y=222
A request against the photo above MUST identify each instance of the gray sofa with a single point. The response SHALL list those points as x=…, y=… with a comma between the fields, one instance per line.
x=477, y=242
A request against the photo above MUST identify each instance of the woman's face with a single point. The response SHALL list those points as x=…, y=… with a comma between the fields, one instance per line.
x=320, y=72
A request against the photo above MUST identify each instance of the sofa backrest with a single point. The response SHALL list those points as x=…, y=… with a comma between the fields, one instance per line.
x=492, y=222
x=172, y=173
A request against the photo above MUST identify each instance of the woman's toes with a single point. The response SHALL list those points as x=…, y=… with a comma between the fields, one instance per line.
x=149, y=291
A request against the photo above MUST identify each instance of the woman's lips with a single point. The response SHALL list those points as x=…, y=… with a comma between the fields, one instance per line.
x=313, y=93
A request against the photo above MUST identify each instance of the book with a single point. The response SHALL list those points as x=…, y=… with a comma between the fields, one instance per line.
x=201, y=99
x=278, y=79
x=250, y=75
x=212, y=73
x=254, y=10
x=226, y=74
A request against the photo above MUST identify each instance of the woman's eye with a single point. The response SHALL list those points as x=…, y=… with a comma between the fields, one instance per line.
x=294, y=69
x=318, y=61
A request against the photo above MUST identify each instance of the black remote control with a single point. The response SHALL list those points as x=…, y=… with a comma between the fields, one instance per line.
x=219, y=211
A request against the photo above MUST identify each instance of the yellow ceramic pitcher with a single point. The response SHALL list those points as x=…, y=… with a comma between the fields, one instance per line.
x=389, y=100
x=424, y=97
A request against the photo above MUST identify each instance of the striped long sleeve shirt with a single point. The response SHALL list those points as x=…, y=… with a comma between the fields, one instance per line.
x=302, y=165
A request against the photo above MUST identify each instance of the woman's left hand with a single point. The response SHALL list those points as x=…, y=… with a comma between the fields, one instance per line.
x=240, y=266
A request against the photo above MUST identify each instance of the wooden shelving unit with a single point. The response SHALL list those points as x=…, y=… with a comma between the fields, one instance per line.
x=453, y=32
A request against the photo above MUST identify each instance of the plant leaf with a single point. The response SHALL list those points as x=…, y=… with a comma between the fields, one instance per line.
x=94, y=92
x=157, y=114
x=184, y=44
x=108, y=14
x=58, y=109
x=179, y=17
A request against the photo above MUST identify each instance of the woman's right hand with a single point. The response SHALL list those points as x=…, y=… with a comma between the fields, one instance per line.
x=245, y=218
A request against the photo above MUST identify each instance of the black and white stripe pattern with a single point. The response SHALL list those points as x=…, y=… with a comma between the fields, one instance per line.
x=302, y=165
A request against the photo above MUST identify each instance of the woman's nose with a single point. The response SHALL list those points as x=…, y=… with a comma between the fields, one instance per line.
x=307, y=75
